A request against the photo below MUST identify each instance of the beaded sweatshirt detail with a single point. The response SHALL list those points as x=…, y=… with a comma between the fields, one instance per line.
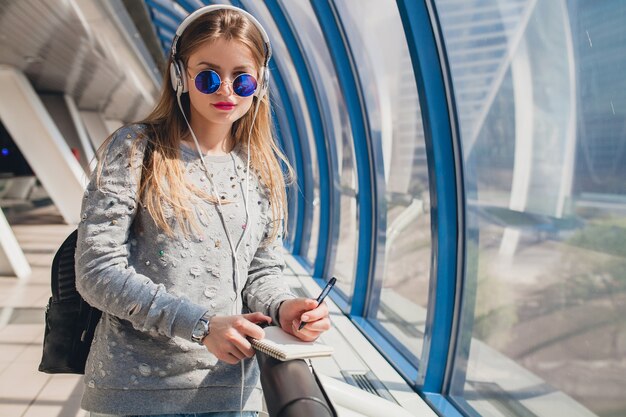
x=153, y=288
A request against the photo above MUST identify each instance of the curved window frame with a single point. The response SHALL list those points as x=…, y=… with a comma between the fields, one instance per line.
x=287, y=132
x=326, y=268
x=345, y=68
x=322, y=147
x=441, y=129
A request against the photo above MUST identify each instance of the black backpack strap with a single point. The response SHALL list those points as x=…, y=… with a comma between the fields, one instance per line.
x=63, y=274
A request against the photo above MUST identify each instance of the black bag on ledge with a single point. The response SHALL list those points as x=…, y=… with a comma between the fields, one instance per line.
x=70, y=321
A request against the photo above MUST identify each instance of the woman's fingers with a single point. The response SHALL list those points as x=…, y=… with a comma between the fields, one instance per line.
x=306, y=334
x=319, y=326
x=312, y=330
x=315, y=314
x=228, y=339
x=257, y=318
x=247, y=325
x=239, y=355
x=229, y=358
x=243, y=348
x=297, y=311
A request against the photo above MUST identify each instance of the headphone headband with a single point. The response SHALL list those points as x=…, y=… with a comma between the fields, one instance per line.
x=208, y=9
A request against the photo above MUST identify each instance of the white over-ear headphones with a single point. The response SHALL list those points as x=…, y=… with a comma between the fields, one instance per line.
x=177, y=68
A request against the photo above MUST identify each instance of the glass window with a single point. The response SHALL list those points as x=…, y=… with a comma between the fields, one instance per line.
x=281, y=55
x=398, y=304
x=543, y=325
x=344, y=245
x=285, y=142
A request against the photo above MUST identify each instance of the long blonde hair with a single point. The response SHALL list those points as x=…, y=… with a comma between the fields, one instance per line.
x=166, y=128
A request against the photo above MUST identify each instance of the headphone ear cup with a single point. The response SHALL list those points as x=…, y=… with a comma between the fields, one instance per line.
x=265, y=79
x=177, y=77
x=183, y=76
x=173, y=76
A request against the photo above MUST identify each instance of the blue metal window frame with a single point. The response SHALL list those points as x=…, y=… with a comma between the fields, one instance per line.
x=405, y=361
x=165, y=36
x=443, y=149
x=306, y=82
x=334, y=188
x=166, y=21
x=288, y=109
x=163, y=28
x=345, y=67
x=167, y=8
x=191, y=5
x=442, y=405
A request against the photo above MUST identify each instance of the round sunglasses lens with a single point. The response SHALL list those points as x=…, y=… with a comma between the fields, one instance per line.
x=244, y=85
x=208, y=82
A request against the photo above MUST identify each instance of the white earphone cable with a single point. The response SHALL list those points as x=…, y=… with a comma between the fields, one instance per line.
x=234, y=248
x=248, y=225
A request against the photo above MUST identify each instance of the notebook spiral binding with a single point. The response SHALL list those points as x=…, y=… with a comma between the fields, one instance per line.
x=268, y=350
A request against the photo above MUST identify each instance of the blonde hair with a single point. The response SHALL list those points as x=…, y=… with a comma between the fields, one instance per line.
x=166, y=128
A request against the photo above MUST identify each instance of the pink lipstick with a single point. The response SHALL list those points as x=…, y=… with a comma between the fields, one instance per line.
x=224, y=105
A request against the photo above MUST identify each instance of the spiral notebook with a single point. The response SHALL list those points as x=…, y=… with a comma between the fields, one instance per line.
x=283, y=346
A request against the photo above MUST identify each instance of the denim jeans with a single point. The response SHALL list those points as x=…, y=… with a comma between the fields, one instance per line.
x=218, y=414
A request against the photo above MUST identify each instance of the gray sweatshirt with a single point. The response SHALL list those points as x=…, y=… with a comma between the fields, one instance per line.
x=153, y=288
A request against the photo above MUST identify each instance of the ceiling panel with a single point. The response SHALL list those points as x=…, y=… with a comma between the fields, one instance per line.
x=60, y=50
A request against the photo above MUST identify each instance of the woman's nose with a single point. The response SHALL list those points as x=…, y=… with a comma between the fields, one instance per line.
x=226, y=88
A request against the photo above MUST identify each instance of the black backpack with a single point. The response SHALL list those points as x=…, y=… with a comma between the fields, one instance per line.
x=70, y=321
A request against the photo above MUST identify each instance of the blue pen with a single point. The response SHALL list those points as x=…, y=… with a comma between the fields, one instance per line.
x=321, y=297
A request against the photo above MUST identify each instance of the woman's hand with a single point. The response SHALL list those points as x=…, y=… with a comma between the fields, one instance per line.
x=293, y=312
x=227, y=339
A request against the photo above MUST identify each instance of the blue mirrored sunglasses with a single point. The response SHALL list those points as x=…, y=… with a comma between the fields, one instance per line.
x=209, y=81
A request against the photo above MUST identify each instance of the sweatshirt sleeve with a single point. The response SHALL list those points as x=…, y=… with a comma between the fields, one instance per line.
x=103, y=275
x=266, y=287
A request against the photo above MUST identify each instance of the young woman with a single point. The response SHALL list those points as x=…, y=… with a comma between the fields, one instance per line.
x=180, y=238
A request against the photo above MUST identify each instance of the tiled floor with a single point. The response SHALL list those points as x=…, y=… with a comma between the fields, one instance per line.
x=24, y=391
